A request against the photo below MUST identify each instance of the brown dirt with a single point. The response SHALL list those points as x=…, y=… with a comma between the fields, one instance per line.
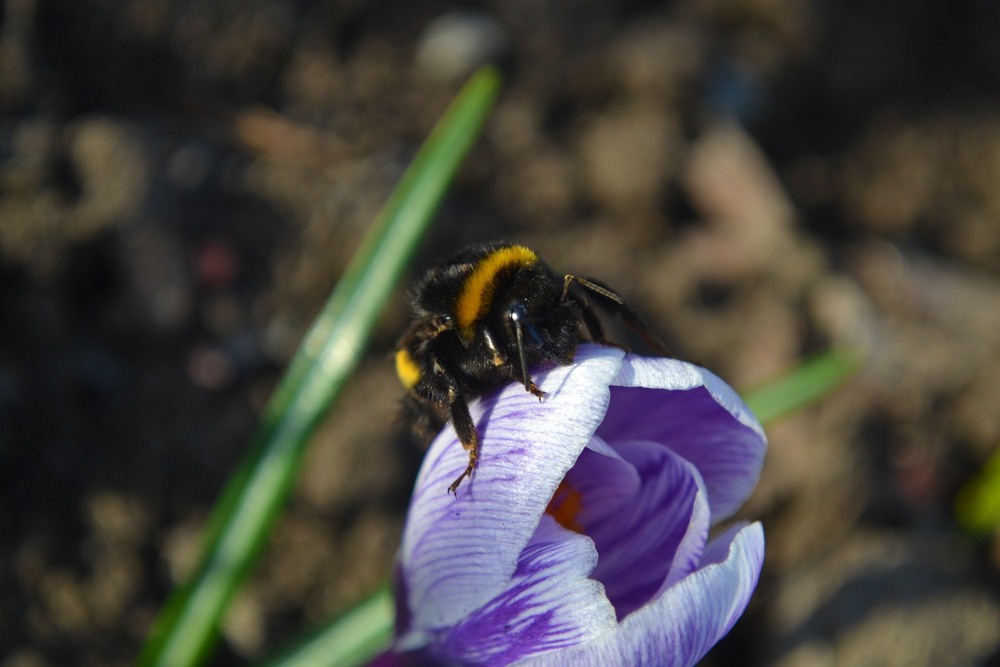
x=181, y=184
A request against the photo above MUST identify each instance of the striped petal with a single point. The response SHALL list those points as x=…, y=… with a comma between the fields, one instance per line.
x=459, y=553
x=678, y=628
x=581, y=539
x=701, y=419
x=548, y=605
x=639, y=542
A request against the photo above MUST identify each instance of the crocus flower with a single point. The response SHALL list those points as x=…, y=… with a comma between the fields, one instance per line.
x=582, y=539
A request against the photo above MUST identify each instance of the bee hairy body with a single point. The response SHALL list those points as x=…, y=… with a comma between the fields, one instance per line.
x=481, y=320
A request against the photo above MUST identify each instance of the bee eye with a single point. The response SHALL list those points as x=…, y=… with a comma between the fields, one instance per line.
x=518, y=313
x=519, y=316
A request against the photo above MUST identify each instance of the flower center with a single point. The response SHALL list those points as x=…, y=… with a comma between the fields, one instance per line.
x=565, y=506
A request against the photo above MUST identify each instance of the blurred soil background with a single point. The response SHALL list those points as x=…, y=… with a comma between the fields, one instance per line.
x=182, y=182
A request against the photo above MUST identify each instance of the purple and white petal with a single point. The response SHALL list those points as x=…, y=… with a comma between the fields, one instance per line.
x=701, y=419
x=550, y=604
x=690, y=551
x=459, y=553
x=639, y=543
x=678, y=628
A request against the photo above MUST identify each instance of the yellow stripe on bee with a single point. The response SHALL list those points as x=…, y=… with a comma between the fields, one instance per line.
x=407, y=369
x=477, y=293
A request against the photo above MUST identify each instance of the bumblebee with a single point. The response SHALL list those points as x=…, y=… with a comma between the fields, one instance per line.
x=483, y=319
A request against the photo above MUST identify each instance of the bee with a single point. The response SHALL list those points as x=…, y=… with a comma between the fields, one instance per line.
x=483, y=319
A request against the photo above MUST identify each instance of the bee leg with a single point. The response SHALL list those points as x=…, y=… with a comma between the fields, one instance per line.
x=422, y=418
x=531, y=387
x=522, y=376
x=521, y=371
x=461, y=419
x=535, y=391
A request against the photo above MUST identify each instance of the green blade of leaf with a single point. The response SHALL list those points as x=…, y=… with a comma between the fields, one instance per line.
x=348, y=641
x=805, y=384
x=186, y=630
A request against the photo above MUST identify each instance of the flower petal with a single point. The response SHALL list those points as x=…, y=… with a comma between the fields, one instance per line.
x=459, y=553
x=703, y=420
x=679, y=628
x=692, y=545
x=550, y=604
x=604, y=482
x=638, y=545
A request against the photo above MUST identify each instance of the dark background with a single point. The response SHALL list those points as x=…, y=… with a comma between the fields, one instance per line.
x=182, y=182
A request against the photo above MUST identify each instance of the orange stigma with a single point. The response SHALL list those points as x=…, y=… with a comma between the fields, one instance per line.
x=565, y=506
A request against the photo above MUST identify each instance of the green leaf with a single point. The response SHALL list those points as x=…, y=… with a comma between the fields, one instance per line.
x=977, y=505
x=806, y=384
x=349, y=640
x=187, y=629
